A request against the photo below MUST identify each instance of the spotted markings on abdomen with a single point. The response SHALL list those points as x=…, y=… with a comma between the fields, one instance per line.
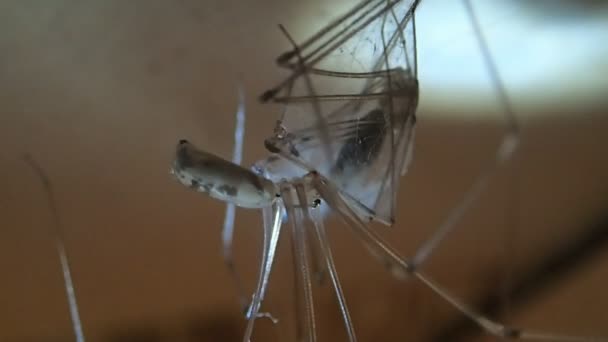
x=228, y=190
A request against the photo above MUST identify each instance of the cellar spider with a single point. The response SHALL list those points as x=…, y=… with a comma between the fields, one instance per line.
x=324, y=173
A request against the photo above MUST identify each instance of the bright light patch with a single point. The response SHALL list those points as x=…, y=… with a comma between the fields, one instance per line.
x=544, y=61
x=548, y=57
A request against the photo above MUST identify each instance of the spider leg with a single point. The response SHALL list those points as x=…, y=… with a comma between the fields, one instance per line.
x=305, y=314
x=57, y=233
x=401, y=267
x=273, y=218
x=320, y=236
x=504, y=152
x=228, y=227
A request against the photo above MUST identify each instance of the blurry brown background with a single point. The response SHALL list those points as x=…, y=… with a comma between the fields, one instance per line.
x=99, y=92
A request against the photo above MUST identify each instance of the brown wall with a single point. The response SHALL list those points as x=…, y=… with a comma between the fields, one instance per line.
x=99, y=93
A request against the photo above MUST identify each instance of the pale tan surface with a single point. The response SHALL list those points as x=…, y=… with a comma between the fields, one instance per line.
x=100, y=92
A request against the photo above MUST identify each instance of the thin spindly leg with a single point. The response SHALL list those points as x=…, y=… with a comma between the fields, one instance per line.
x=273, y=218
x=228, y=228
x=318, y=266
x=505, y=150
x=333, y=273
x=57, y=233
x=321, y=121
x=388, y=256
x=305, y=316
x=327, y=40
x=284, y=58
